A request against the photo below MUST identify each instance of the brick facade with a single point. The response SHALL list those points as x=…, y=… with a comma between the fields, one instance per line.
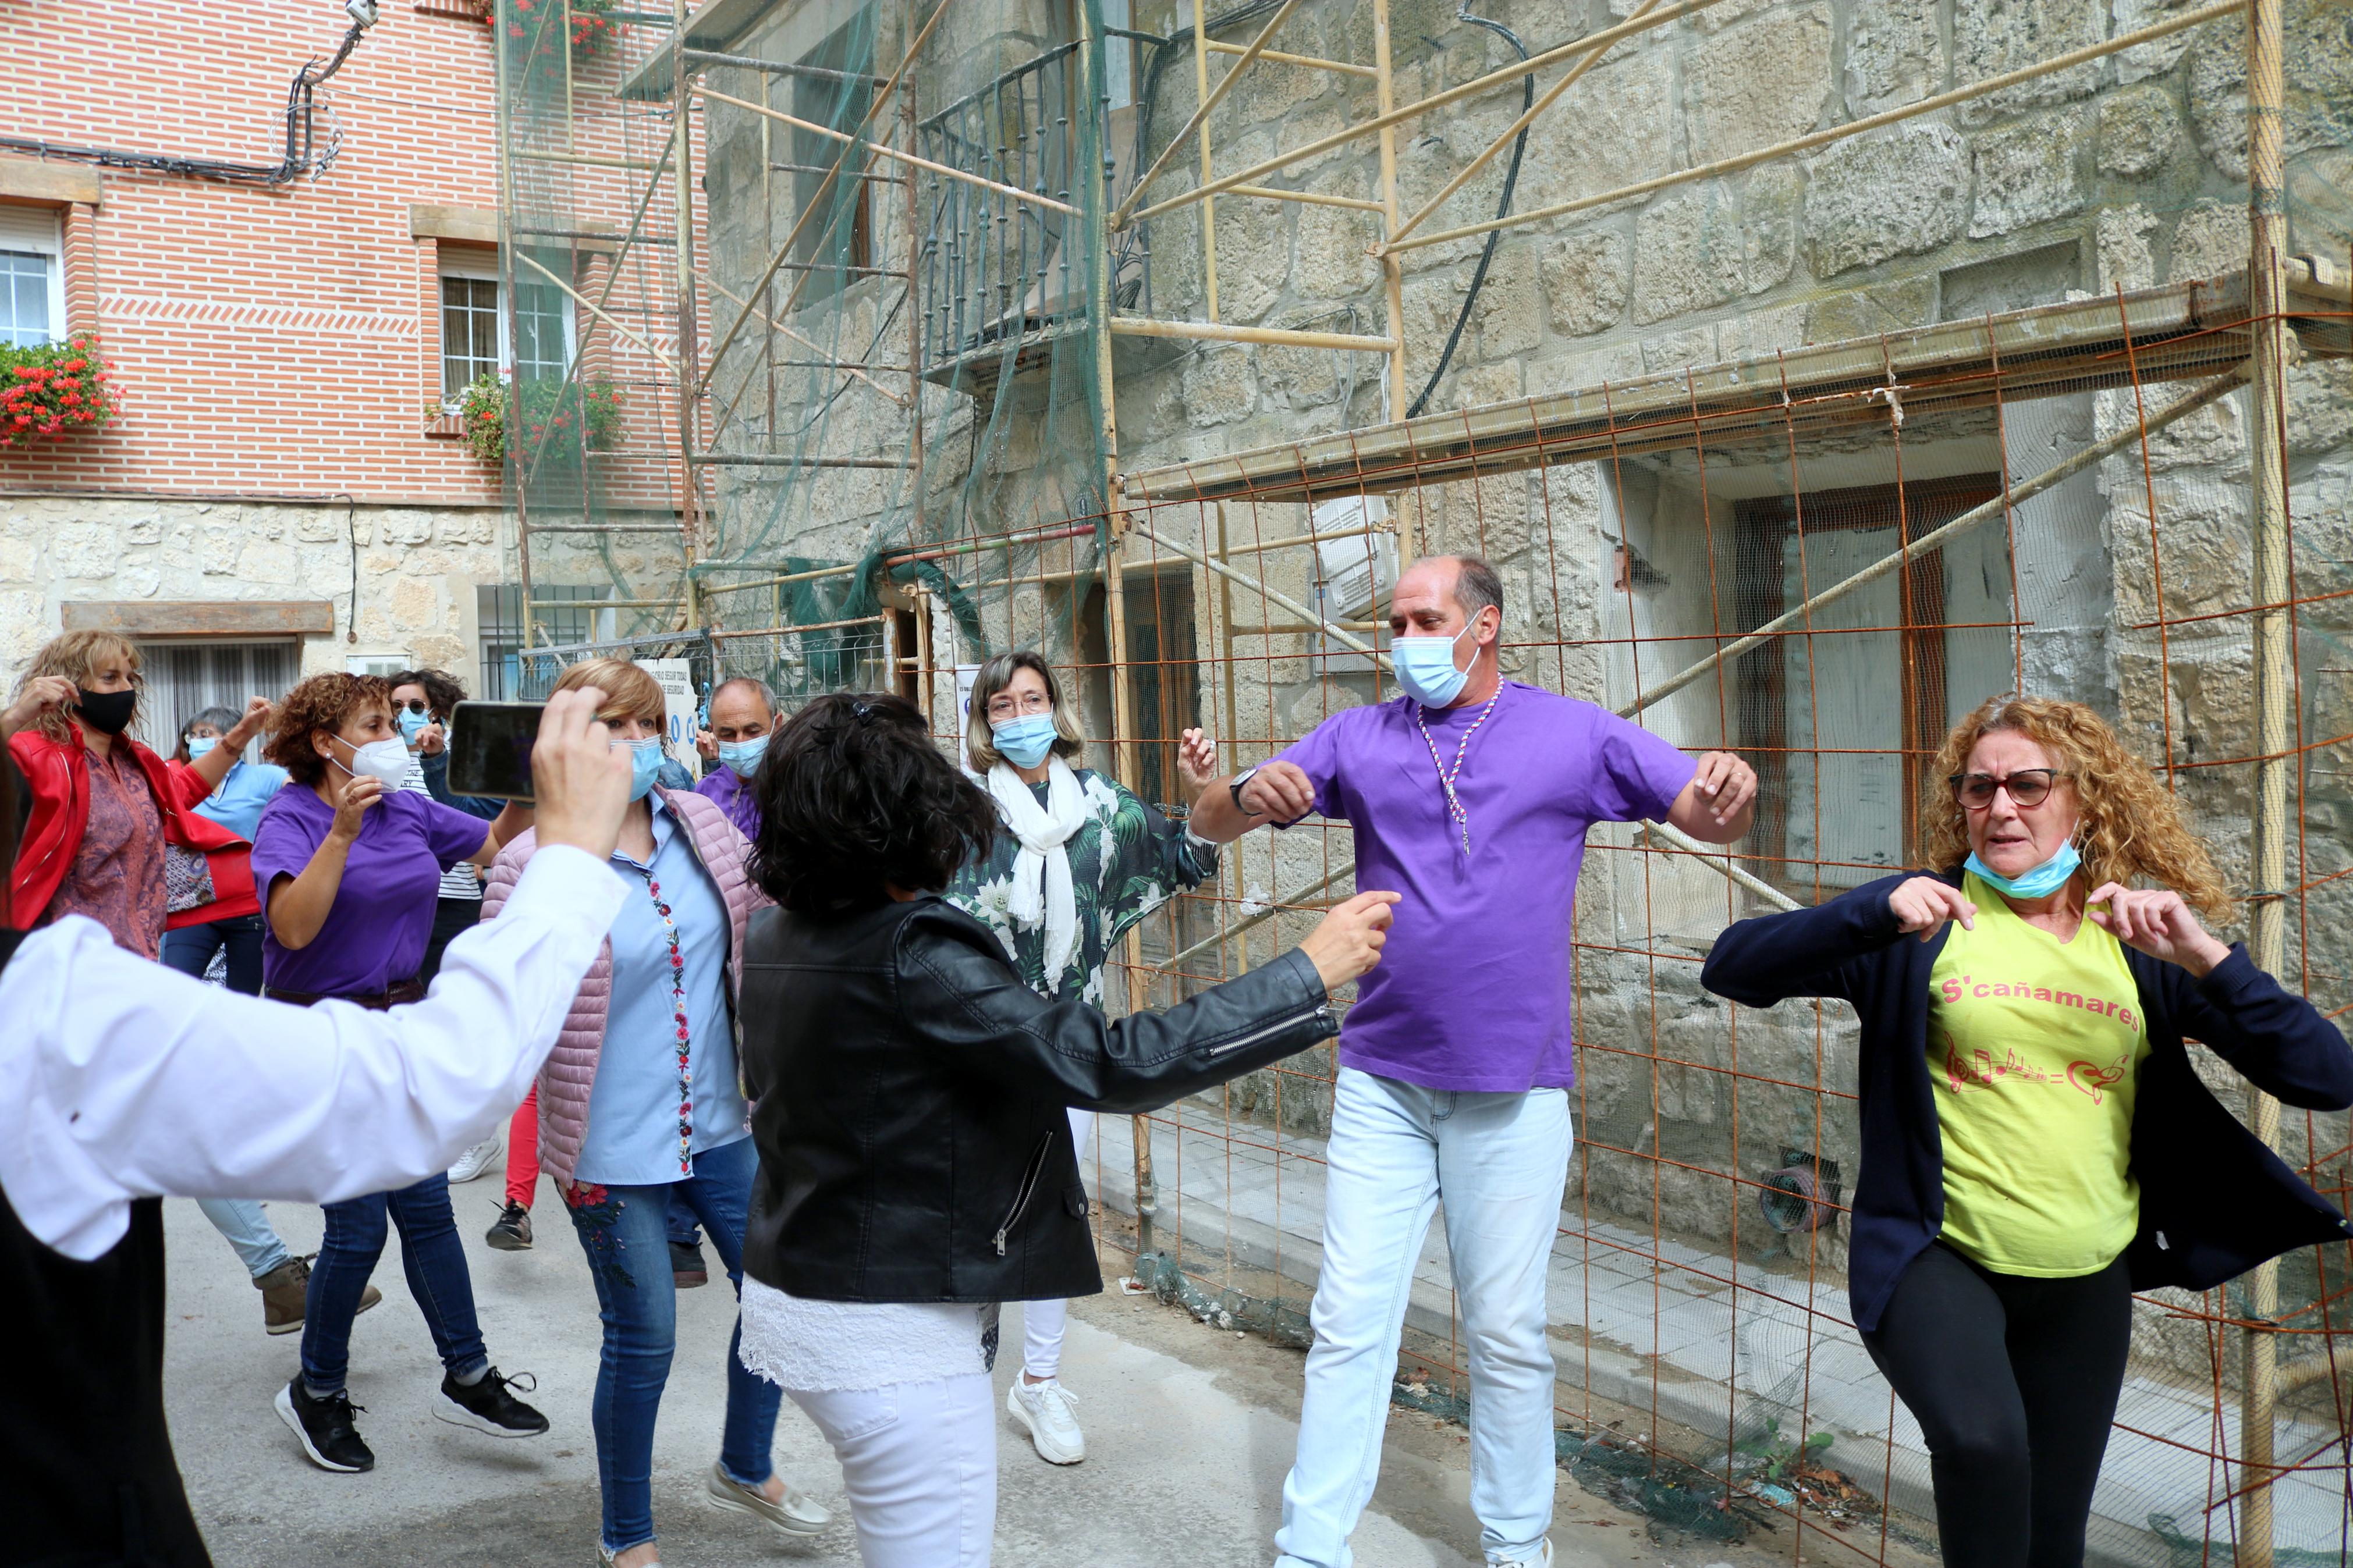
x=277, y=350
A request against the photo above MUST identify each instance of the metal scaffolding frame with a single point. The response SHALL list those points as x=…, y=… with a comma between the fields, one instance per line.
x=2236, y=331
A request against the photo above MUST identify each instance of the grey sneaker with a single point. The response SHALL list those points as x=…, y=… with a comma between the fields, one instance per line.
x=797, y=1514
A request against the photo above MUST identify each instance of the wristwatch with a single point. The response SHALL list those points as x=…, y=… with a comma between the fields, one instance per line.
x=1234, y=787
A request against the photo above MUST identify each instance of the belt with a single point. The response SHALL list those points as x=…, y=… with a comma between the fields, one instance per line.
x=396, y=994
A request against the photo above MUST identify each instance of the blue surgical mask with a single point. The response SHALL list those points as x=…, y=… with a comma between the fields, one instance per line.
x=199, y=744
x=646, y=761
x=742, y=757
x=1025, y=742
x=2040, y=883
x=413, y=725
x=1425, y=667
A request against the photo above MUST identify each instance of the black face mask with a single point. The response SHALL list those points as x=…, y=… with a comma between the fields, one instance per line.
x=107, y=712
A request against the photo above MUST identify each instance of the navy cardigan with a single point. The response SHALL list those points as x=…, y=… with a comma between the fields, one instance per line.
x=2214, y=1202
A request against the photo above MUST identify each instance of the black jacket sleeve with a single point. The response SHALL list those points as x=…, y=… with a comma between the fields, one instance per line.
x=958, y=996
x=1802, y=953
x=2273, y=1038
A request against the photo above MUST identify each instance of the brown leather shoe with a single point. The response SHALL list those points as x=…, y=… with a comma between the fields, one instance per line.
x=286, y=1289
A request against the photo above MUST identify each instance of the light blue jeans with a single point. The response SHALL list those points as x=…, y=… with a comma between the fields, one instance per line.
x=1500, y=1163
x=244, y=1228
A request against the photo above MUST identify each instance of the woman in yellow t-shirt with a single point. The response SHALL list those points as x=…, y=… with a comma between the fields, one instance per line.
x=2036, y=1145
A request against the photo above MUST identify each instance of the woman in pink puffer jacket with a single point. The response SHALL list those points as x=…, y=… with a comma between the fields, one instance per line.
x=639, y=1106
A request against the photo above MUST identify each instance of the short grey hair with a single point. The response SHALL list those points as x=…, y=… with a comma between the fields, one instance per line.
x=1477, y=585
x=748, y=684
x=221, y=719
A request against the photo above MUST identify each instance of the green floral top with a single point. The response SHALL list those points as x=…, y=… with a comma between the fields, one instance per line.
x=1126, y=860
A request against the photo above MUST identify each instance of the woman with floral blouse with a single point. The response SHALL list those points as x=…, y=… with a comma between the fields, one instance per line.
x=1081, y=861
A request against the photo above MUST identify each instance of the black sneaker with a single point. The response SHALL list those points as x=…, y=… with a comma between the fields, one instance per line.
x=325, y=1427
x=486, y=1406
x=512, y=1231
x=686, y=1266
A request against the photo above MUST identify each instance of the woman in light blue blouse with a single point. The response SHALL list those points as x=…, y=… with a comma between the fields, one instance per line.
x=639, y=1107
x=235, y=803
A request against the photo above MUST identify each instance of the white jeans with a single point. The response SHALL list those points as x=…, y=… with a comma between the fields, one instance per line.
x=1043, y=1322
x=919, y=1461
x=1500, y=1161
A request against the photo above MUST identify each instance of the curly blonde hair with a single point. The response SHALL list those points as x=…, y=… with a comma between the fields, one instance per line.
x=75, y=656
x=2130, y=826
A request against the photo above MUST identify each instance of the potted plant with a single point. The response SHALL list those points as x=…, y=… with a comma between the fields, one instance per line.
x=49, y=389
x=566, y=413
x=588, y=26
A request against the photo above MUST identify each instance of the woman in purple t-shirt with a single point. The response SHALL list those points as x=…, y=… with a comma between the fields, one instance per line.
x=348, y=866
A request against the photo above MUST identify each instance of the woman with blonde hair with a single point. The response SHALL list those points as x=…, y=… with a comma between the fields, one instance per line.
x=1082, y=860
x=639, y=1107
x=114, y=831
x=2036, y=1144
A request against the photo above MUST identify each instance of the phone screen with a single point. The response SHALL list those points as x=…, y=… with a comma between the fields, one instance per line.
x=489, y=749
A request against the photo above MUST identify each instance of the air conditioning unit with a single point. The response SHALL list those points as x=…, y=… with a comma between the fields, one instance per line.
x=1355, y=567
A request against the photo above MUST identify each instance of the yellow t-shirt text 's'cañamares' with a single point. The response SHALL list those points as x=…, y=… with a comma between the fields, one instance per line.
x=2034, y=1054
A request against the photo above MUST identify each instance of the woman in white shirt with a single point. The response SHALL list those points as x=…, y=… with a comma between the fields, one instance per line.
x=121, y=1080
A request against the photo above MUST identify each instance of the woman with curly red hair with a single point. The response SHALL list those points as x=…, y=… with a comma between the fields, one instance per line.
x=2036, y=1144
x=349, y=867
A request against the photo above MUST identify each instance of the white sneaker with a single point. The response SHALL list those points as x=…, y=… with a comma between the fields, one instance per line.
x=476, y=1161
x=1045, y=1409
x=1543, y=1558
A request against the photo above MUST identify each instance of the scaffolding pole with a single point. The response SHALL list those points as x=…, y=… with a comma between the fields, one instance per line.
x=2274, y=678
x=1715, y=859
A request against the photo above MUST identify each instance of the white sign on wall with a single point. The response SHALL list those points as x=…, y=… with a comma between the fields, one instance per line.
x=965, y=674
x=676, y=676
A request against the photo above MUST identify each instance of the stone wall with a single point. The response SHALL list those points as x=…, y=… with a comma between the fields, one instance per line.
x=415, y=568
x=2121, y=174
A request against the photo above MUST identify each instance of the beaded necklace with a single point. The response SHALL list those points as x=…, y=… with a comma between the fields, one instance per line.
x=678, y=1013
x=1446, y=776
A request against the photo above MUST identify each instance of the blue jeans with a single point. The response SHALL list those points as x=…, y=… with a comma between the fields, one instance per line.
x=625, y=1232
x=1500, y=1161
x=435, y=1263
x=190, y=950
x=244, y=1228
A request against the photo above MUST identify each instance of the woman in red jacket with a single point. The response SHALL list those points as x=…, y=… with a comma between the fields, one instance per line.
x=107, y=812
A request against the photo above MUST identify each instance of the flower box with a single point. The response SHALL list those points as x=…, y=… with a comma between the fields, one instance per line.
x=51, y=390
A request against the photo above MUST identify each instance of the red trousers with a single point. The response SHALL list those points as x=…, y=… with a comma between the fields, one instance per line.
x=522, y=1151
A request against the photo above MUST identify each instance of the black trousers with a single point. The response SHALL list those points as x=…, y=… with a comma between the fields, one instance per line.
x=450, y=916
x=2014, y=1382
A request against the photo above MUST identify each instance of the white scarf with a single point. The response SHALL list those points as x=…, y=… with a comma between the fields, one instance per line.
x=1042, y=872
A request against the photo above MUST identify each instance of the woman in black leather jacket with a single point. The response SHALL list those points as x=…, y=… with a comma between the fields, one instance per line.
x=916, y=1159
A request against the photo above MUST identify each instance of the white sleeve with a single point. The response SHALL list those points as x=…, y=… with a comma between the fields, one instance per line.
x=121, y=1078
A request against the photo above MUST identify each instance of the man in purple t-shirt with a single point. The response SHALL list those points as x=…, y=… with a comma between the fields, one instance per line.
x=1469, y=796
x=742, y=717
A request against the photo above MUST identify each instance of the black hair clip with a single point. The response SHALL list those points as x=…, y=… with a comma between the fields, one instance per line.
x=862, y=710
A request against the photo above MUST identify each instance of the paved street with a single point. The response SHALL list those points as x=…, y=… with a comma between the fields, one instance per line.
x=1190, y=1432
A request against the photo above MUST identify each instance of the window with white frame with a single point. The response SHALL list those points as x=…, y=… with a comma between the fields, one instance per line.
x=482, y=334
x=32, y=277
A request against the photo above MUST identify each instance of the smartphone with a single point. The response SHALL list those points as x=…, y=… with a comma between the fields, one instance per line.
x=489, y=749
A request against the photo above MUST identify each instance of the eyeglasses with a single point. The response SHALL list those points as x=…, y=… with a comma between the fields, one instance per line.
x=414, y=705
x=2028, y=787
x=1012, y=705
